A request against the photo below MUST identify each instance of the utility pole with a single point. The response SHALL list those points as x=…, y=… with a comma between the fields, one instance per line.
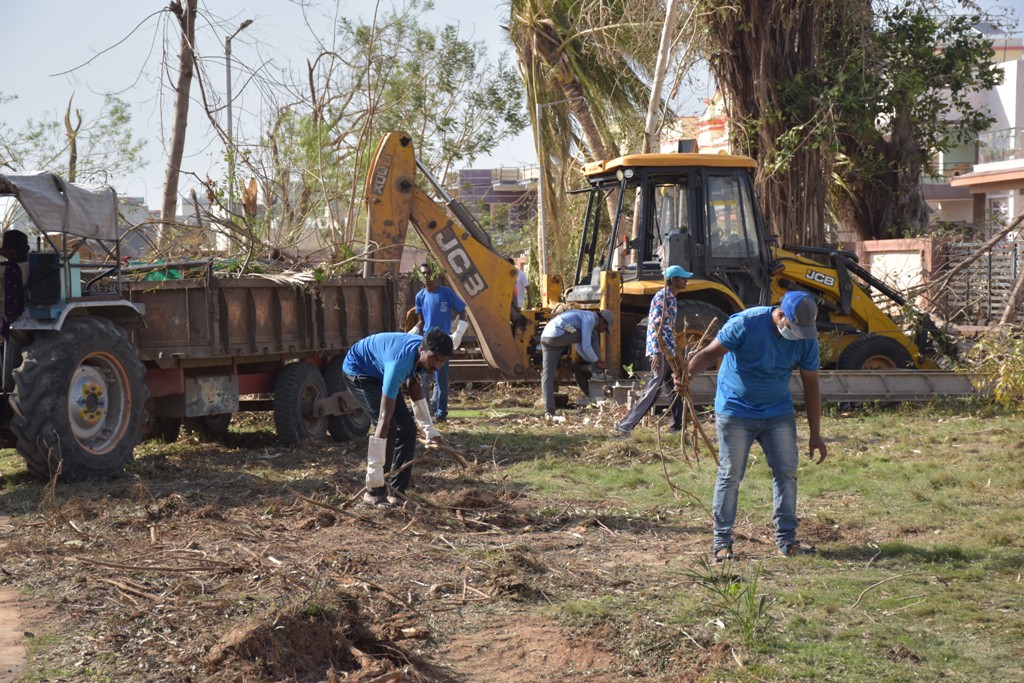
x=231, y=140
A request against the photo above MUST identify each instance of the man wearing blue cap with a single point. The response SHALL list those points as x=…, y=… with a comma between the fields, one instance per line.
x=661, y=323
x=759, y=348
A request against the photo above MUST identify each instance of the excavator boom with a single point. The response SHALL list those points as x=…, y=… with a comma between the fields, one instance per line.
x=483, y=278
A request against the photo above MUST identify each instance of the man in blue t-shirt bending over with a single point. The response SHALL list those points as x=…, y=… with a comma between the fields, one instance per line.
x=375, y=369
x=759, y=348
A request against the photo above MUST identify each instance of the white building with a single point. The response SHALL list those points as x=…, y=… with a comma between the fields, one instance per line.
x=986, y=178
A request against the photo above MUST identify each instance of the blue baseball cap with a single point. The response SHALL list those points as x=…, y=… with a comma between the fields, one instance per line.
x=801, y=311
x=677, y=271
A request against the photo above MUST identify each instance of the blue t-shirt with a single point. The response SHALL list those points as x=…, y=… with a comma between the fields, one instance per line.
x=753, y=381
x=389, y=356
x=436, y=308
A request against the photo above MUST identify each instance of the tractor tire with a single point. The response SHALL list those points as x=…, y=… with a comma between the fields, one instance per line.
x=350, y=425
x=692, y=318
x=874, y=352
x=209, y=428
x=79, y=401
x=297, y=389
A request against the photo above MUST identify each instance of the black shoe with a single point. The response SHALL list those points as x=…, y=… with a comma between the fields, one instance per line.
x=441, y=418
x=675, y=429
x=723, y=553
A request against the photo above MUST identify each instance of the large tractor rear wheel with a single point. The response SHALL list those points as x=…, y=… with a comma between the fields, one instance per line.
x=79, y=401
x=350, y=425
x=298, y=388
x=874, y=352
x=693, y=319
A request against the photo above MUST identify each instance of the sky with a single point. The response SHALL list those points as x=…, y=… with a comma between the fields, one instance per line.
x=52, y=49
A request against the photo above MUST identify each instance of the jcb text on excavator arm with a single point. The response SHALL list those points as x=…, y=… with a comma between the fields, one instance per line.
x=484, y=279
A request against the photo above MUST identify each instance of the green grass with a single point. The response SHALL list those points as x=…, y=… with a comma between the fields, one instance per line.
x=917, y=514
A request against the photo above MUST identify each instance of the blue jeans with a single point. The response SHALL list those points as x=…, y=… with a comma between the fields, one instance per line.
x=777, y=437
x=439, y=393
x=401, y=432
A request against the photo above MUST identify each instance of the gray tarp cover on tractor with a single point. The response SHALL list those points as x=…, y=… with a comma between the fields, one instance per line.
x=58, y=206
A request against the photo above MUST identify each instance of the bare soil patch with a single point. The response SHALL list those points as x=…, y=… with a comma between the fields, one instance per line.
x=244, y=561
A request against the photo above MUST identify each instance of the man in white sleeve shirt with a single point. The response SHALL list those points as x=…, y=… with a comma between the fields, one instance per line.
x=579, y=327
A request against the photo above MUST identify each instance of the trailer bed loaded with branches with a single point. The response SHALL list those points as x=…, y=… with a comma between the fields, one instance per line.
x=89, y=373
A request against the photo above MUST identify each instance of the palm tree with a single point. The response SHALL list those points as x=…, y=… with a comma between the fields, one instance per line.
x=586, y=67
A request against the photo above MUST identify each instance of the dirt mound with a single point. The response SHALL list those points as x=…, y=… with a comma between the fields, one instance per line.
x=304, y=643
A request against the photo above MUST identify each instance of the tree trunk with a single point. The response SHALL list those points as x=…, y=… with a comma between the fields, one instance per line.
x=72, y=134
x=660, y=67
x=186, y=62
x=758, y=48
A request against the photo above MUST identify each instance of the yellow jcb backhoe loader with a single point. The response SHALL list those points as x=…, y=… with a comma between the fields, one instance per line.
x=693, y=210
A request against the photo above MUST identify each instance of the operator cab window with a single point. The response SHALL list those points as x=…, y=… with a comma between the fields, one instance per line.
x=671, y=209
x=731, y=224
x=670, y=237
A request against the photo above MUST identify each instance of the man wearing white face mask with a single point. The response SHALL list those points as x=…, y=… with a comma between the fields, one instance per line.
x=759, y=348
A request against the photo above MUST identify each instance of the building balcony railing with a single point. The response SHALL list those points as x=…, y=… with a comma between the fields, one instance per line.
x=941, y=174
x=1001, y=145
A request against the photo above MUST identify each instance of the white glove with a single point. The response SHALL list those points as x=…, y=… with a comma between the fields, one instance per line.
x=376, y=453
x=460, y=331
x=418, y=329
x=421, y=411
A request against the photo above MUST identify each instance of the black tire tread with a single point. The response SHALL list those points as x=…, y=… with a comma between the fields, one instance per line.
x=865, y=346
x=208, y=428
x=351, y=425
x=292, y=380
x=40, y=421
x=689, y=311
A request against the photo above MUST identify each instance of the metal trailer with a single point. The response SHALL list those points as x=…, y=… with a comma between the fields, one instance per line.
x=214, y=346
x=97, y=361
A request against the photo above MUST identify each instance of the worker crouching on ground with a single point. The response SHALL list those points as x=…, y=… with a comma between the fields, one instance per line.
x=661, y=323
x=577, y=327
x=759, y=348
x=375, y=369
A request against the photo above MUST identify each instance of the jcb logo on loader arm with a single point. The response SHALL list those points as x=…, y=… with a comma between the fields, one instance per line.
x=820, y=278
x=380, y=174
x=459, y=261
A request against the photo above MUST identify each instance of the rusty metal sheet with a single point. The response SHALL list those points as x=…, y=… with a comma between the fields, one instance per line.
x=190, y=322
